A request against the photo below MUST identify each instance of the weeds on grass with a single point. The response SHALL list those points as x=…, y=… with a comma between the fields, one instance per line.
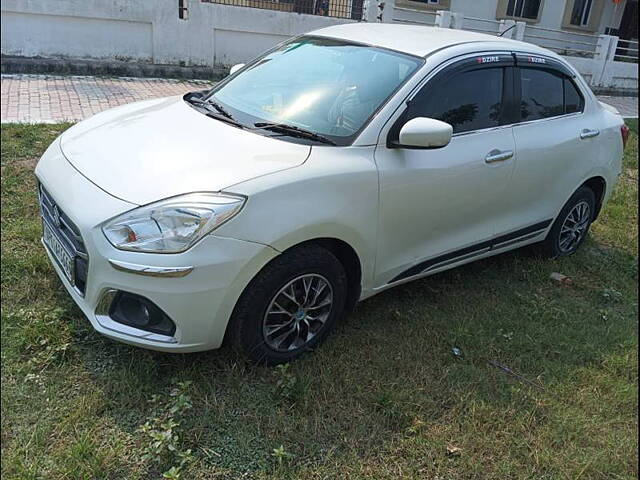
x=382, y=399
x=281, y=455
x=288, y=386
x=162, y=441
x=41, y=345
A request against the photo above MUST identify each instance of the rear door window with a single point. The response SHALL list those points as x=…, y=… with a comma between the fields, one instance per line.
x=542, y=94
x=573, y=101
x=546, y=94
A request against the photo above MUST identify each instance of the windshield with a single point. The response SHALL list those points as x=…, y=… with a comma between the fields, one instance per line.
x=326, y=86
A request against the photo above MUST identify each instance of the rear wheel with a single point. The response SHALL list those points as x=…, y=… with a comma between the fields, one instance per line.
x=290, y=307
x=572, y=225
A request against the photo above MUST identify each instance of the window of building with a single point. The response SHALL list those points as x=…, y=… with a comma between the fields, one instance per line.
x=183, y=10
x=527, y=9
x=430, y=5
x=469, y=101
x=581, y=12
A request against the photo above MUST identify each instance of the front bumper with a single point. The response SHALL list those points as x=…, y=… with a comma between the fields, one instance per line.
x=199, y=302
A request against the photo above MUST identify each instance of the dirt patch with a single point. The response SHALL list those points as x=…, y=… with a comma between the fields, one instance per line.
x=27, y=163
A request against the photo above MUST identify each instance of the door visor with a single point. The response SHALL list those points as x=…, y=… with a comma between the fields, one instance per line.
x=538, y=61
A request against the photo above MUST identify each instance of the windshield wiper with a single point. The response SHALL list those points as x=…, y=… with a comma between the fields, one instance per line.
x=214, y=111
x=293, y=131
x=224, y=118
x=217, y=111
x=209, y=103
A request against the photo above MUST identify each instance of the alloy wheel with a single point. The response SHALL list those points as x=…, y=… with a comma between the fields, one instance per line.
x=574, y=227
x=297, y=313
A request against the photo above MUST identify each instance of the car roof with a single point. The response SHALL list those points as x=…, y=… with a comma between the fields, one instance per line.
x=418, y=40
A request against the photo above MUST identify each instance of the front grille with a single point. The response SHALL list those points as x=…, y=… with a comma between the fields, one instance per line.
x=69, y=234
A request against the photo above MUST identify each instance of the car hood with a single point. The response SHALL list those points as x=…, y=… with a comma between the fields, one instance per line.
x=150, y=150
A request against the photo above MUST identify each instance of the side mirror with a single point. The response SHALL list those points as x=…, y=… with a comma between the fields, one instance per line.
x=424, y=132
x=235, y=68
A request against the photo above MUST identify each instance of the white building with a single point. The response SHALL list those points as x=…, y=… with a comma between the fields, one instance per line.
x=582, y=16
x=598, y=36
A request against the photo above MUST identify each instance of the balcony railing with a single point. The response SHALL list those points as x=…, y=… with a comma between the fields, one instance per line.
x=349, y=9
x=627, y=51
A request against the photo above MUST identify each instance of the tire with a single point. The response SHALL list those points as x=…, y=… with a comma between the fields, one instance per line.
x=559, y=241
x=270, y=300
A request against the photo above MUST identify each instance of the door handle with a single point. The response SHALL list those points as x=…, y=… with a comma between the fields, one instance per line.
x=586, y=133
x=498, y=156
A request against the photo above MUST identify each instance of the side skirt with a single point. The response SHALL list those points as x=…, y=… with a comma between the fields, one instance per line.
x=471, y=251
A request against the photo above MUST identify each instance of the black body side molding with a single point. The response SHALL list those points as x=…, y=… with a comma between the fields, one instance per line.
x=478, y=248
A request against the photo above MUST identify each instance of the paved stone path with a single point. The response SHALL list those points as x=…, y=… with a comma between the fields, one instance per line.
x=52, y=99
x=627, y=106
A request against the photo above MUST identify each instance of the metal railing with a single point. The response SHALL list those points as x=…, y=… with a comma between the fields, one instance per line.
x=627, y=51
x=429, y=21
x=490, y=27
x=349, y=9
x=563, y=42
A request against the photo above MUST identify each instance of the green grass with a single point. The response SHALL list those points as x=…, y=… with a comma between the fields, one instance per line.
x=384, y=398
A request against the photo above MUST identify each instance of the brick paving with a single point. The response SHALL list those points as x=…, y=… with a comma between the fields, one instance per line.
x=627, y=106
x=52, y=99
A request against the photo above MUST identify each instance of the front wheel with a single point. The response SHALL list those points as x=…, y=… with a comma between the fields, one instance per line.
x=572, y=225
x=290, y=306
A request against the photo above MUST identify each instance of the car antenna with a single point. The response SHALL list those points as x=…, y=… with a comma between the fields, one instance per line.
x=510, y=28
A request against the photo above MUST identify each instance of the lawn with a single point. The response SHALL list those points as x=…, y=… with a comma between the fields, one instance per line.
x=384, y=398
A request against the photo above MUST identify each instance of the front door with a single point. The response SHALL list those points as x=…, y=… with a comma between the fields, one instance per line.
x=438, y=206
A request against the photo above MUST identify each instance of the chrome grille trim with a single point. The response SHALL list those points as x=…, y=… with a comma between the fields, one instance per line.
x=70, y=231
x=67, y=232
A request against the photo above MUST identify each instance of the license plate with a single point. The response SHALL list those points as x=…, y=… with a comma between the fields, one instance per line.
x=59, y=252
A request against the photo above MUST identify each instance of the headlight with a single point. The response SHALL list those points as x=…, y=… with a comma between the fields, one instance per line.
x=173, y=225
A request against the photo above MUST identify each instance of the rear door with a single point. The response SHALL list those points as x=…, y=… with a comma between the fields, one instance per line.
x=555, y=145
x=439, y=206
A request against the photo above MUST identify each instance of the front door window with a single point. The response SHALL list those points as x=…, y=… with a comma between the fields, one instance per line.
x=469, y=101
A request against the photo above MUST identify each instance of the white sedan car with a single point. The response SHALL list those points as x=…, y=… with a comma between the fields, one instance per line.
x=337, y=165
